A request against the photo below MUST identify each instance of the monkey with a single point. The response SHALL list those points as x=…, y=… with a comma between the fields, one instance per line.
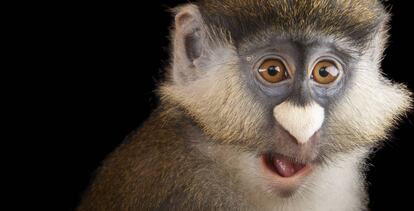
x=266, y=105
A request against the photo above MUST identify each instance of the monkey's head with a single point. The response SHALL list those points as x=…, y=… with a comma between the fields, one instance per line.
x=292, y=82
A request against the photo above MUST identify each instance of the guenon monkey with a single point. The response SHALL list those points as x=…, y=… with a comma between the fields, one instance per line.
x=268, y=105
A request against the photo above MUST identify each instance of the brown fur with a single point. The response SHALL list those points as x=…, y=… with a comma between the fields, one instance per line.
x=159, y=169
x=198, y=150
x=351, y=19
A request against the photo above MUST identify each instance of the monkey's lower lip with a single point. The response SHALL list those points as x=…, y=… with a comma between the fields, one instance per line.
x=284, y=167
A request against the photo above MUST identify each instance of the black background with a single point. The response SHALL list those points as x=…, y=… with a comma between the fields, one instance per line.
x=105, y=61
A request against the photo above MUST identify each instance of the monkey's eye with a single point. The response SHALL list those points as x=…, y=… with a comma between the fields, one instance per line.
x=325, y=72
x=273, y=71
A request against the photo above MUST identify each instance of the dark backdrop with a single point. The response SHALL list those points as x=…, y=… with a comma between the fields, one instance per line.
x=108, y=58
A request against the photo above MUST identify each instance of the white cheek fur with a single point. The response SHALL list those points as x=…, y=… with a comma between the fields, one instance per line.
x=300, y=121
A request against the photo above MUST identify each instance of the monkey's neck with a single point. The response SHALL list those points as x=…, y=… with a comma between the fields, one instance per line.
x=335, y=185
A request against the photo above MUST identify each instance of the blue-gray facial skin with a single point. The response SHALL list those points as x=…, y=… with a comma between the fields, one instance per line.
x=299, y=59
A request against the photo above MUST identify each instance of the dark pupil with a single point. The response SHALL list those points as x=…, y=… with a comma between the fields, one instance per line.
x=323, y=72
x=272, y=70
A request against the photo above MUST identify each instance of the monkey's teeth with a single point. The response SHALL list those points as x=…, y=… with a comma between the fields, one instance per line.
x=286, y=168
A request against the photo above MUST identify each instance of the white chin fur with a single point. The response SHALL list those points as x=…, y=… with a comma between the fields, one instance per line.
x=300, y=121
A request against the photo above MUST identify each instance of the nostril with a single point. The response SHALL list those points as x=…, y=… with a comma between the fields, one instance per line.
x=315, y=137
x=289, y=137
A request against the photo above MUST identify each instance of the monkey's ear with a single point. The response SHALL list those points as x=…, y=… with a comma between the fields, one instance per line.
x=188, y=25
x=188, y=42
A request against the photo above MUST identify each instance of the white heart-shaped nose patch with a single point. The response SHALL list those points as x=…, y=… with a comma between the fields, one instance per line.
x=300, y=121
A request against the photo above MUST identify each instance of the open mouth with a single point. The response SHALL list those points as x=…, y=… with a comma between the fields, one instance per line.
x=283, y=166
x=283, y=171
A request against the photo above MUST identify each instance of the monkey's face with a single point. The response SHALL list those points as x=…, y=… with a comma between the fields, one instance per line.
x=290, y=95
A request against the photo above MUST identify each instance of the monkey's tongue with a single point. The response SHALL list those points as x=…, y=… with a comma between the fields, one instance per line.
x=286, y=168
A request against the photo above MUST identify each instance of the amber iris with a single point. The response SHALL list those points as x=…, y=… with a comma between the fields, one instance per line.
x=273, y=71
x=325, y=72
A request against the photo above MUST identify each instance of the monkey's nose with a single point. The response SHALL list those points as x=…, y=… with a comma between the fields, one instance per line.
x=302, y=122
